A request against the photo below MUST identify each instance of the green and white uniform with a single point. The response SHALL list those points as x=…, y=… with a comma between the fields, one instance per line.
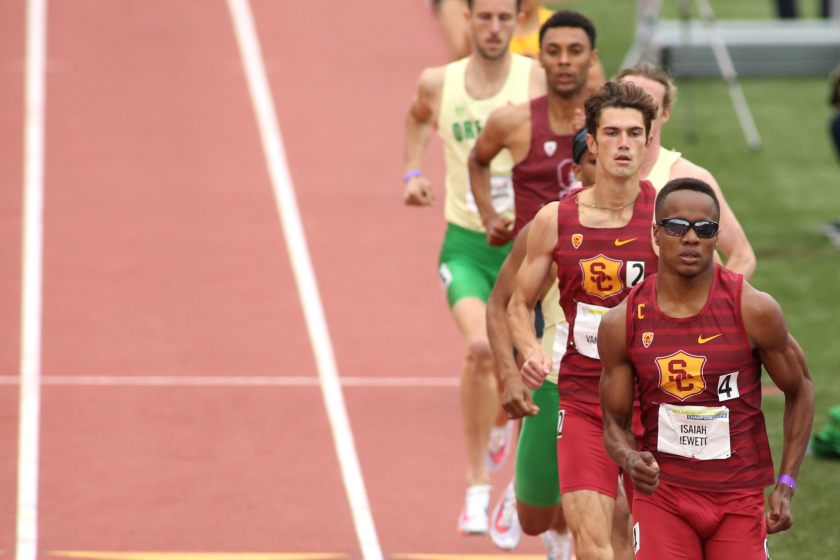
x=537, y=478
x=468, y=266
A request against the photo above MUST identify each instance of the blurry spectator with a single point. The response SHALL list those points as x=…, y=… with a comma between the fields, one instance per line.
x=787, y=8
x=832, y=229
x=526, y=40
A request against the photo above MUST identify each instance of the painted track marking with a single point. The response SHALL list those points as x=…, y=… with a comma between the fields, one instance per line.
x=278, y=169
x=233, y=381
x=26, y=546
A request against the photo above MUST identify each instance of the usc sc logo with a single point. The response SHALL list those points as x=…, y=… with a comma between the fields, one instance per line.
x=601, y=276
x=681, y=374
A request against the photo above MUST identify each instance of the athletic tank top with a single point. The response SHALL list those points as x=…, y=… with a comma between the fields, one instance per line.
x=529, y=45
x=459, y=124
x=545, y=175
x=700, y=361
x=596, y=268
x=660, y=173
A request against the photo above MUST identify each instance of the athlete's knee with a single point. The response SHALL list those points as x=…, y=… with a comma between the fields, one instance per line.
x=591, y=551
x=479, y=355
x=533, y=520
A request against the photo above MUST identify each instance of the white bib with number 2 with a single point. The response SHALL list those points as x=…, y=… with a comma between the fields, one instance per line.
x=587, y=321
x=696, y=432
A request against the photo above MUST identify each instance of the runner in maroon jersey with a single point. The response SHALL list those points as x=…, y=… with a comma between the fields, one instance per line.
x=538, y=134
x=692, y=340
x=600, y=239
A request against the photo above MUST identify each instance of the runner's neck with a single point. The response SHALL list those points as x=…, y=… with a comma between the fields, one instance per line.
x=651, y=155
x=681, y=296
x=486, y=76
x=561, y=111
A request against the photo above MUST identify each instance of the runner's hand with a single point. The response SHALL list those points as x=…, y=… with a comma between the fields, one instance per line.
x=498, y=231
x=418, y=192
x=536, y=368
x=780, y=517
x=517, y=400
x=643, y=469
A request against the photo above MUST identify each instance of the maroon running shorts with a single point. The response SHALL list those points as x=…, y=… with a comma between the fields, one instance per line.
x=582, y=459
x=684, y=524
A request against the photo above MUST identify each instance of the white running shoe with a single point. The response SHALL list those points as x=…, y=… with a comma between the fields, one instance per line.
x=473, y=520
x=499, y=446
x=505, y=531
x=559, y=547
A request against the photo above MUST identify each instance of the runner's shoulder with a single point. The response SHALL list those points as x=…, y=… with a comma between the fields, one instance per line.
x=431, y=80
x=764, y=320
x=508, y=118
x=683, y=168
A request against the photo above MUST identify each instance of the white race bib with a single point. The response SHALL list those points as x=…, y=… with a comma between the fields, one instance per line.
x=558, y=349
x=697, y=432
x=587, y=321
x=501, y=193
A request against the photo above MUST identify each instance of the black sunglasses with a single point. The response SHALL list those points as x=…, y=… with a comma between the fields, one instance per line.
x=678, y=227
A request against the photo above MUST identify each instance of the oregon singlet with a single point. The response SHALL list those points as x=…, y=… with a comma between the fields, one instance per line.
x=660, y=173
x=700, y=389
x=459, y=124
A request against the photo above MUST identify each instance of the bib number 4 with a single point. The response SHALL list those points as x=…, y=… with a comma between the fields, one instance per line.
x=728, y=387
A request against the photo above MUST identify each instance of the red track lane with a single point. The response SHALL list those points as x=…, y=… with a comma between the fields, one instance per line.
x=12, y=54
x=343, y=77
x=191, y=469
x=164, y=256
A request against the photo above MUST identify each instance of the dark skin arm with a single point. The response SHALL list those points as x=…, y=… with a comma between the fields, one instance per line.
x=516, y=398
x=785, y=364
x=616, y=393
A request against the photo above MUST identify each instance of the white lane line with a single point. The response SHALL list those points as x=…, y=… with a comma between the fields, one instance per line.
x=26, y=547
x=233, y=381
x=252, y=60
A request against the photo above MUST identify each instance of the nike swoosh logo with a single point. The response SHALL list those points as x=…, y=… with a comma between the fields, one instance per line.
x=702, y=340
x=620, y=243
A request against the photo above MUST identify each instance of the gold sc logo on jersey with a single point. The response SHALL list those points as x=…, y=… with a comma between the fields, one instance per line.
x=681, y=374
x=601, y=276
x=577, y=239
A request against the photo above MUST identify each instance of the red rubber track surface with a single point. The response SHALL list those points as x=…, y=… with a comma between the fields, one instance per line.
x=164, y=256
x=12, y=56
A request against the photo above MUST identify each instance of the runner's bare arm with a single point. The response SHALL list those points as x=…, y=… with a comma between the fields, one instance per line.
x=516, y=398
x=418, y=129
x=616, y=395
x=784, y=361
x=492, y=140
x=733, y=242
x=529, y=282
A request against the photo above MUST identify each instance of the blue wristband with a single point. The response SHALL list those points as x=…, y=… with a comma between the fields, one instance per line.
x=411, y=174
x=785, y=479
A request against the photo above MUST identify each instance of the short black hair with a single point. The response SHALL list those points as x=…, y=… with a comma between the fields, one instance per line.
x=685, y=184
x=518, y=5
x=568, y=18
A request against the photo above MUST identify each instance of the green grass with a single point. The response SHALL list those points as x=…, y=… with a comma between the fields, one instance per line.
x=781, y=195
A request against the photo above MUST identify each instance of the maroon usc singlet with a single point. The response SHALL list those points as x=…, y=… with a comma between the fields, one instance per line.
x=597, y=267
x=545, y=175
x=699, y=385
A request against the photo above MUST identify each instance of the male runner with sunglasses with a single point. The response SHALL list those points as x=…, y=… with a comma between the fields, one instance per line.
x=691, y=341
x=601, y=241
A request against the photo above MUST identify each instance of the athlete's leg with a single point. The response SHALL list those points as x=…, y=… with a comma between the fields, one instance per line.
x=622, y=529
x=537, y=482
x=450, y=14
x=590, y=515
x=479, y=393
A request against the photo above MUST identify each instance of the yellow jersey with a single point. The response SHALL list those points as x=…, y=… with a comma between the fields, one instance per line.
x=660, y=173
x=529, y=45
x=459, y=123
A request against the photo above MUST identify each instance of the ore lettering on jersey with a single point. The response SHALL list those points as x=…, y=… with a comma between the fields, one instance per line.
x=467, y=130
